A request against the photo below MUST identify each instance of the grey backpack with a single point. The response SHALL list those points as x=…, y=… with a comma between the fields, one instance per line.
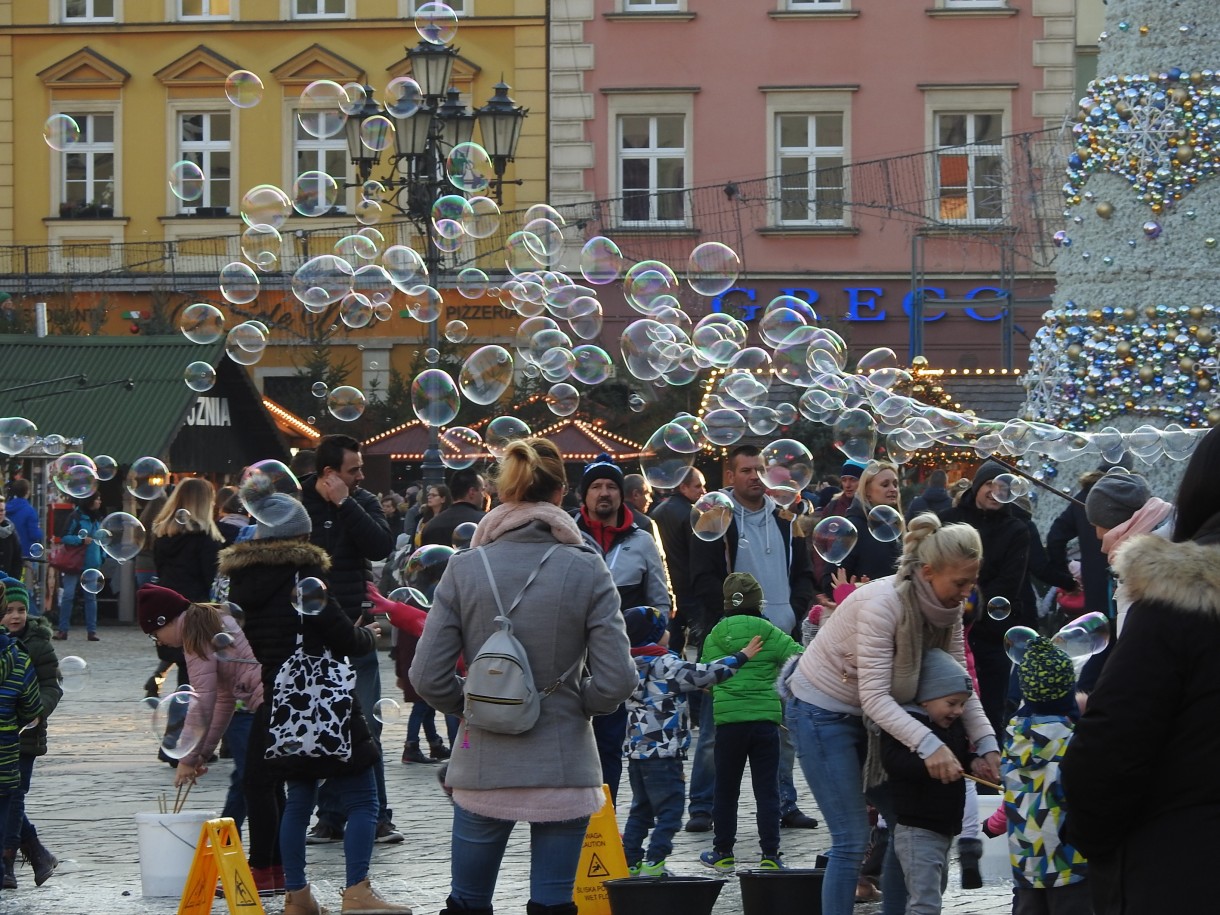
x=500, y=692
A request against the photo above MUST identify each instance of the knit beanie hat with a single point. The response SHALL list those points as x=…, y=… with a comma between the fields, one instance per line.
x=645, y=625
x=851, y=469
x=940, y=675
x=292, y=520
x=15, y=592
x=1046, y=673
x=988, y=472
x=742, y=594
x=1115, y=498
x=157, y=607
x=602, y=468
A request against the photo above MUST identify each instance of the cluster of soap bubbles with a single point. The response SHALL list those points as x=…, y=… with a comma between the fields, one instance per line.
x=1082, y=637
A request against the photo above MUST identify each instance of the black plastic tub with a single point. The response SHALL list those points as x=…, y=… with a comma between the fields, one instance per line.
x=795, y=891
x=663, y=895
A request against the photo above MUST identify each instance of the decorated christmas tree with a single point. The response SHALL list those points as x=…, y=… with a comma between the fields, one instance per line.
x=1127, y=354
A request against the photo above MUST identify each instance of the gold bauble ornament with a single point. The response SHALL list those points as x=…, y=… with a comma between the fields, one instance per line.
x=1205, y=336
x=1186, y=364
x=1105, y=209
x=1074, y=351
x=1184, y=153
x=1123, y=350
x=1195, y=312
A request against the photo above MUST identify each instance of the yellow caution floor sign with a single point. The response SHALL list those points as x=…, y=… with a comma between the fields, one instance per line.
x=601, y=859
x=219, y=854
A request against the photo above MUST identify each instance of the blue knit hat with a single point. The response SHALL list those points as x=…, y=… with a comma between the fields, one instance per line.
x=602, y=468
x=645, y=625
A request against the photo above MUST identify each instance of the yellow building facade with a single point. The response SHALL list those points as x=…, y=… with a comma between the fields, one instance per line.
x=97, y=228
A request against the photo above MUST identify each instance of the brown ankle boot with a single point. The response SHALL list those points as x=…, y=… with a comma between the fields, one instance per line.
x=361, y=899
x=301, y=902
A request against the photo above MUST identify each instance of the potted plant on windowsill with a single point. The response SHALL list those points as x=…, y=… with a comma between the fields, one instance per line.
x=96, y=209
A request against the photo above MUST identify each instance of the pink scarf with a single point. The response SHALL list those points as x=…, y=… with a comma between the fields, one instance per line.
x=1149, y=517
x=509, y=516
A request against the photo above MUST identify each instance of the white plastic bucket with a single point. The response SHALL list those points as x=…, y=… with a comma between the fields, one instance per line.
x=995, y=865
x=167, y=848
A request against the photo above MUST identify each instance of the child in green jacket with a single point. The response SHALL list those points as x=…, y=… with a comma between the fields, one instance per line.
x=748, y=713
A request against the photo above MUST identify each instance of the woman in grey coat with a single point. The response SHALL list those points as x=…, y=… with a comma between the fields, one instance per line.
x=549, y=776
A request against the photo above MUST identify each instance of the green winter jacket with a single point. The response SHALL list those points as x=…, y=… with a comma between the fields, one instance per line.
x=750, y=695
x=35, y=639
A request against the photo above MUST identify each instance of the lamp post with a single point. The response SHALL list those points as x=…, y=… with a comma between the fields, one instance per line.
x=417, y=179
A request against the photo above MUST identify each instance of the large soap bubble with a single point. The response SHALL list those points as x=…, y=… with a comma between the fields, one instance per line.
x=788, y=464
x=434, y=398
x=486, y=374
x=855, y=434
x=885, y=523
x=501, y=432
x=179, y=724
x=711, y=516
x=259, y=482
x=147, y=478
x=309, y=596
x=74, y=474
x=346, y=403
x=16, y=434
x=461, y=447
x=125, y=535
x=74, y=674
x=1086, y=635
x=202, y=323
x=833, y=538
x=663, y=465
x=713, y=268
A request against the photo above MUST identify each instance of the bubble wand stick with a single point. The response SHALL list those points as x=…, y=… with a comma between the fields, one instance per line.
x=975, y=778
x=1036, y=481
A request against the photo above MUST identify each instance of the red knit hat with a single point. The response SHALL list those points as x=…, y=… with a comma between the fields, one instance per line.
x=157, y=607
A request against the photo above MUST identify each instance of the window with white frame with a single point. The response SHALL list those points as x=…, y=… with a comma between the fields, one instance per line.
x=653, y=6
x=89, y=167
x=314, y=154
x=810, y=152
x=205, y=138
x=461, y=7
x=652, y=168
x=319, y=9
x=205, y=9
x=970, y=166
x=88, y=10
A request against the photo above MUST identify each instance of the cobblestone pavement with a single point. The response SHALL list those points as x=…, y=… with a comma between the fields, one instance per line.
x=102, y=770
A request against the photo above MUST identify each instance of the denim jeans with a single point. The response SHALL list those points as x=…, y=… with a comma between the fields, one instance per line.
x=924, y=855
x=70, y=582
x=893, y=883
x=703, y=769
x=358, y=796
x=758, y=743
x=657, y=792
x=787, y=762
x=831, y=747
x=237, y=735
x=368, y=694
x=18, y=827
x=422, y=715
x=478, y=848
x=610, y=731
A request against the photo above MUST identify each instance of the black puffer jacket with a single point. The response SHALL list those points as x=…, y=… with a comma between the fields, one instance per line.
x=35, y=640
x=262, y=575
x=934, y=499
x=354, y=535
x=870, y=556
x=672, y=519
x=1138, y=776
x=1005, y=555
x=186, y=563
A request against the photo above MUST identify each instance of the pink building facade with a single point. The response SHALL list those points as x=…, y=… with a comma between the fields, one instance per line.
x=864, y=155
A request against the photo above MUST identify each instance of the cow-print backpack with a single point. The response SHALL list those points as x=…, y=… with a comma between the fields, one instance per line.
x=311, y=707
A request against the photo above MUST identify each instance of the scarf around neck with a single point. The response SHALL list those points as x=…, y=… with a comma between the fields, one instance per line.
x=508, y=516
x=925, y=623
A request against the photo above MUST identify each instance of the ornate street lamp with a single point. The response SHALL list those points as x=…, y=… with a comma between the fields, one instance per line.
x=500, y=126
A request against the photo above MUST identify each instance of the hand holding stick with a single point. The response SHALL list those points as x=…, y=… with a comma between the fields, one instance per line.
x=983, y=781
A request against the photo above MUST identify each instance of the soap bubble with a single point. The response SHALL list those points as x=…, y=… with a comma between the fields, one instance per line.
x=246, y=343
x=106, y=466
x=321, y=111
x=37, y=550
x=1086, y=635
x=427, y=564
x=502, y=431
x=662, y=464
x=424, y=304
x=186, y=180
x=833, y=538
x=314, y=193
x=243, y=89
x=319, y=389
x=885, y=523
x=711, y=516
x=403, y=97
x=74, y=474
x=201, y=323
x=1008, y=487
x=999, y=608
x=637, y=403
x=646, y=282
x=377, y=133
x=463, y=534
x=356, y=311
x=434, y=399
x=432, y=355
x=469, y=169
x=562, y=399
x=712, y=268
x=126, y=535
x=61, y=132
x=486, y=374
x=53, y=444
x=875, y=359
x=238, y=283
x=412, y=596
x=436, y=22
x=16, y=434
x=309, y=596
x=147, y=478
x=472, y=283
x=787, y=464
x=591, y=364
x=263, y=479
x=601, y=261
x=1017, y=641
x=461, y=447
x=387, y=711
x=484, y=218
x=74, y=674
x=456, y=331
x=92, y=581
x=346, y=403
x=178, y=731
x=199, y=376
x=724, y=427
x=265, y=205
x=855, y=434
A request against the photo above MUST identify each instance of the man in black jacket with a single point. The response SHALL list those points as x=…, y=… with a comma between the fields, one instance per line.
x=348, y=523
x=935, y=498
x=469, y=490
x=672, y=520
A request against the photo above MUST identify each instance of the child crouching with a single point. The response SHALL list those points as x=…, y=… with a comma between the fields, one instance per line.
x=658, y=733
x=929, y=811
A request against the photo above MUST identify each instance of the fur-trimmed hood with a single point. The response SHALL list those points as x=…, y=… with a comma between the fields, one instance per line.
x=1185, y=575
x=277, y=552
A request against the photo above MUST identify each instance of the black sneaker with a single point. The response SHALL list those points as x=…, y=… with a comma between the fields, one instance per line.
x=387, y=834
x=324, y=834
x=699, y=822
x=795, y=819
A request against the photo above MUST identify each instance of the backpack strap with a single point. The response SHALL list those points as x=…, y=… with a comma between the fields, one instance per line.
x=502, y=618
